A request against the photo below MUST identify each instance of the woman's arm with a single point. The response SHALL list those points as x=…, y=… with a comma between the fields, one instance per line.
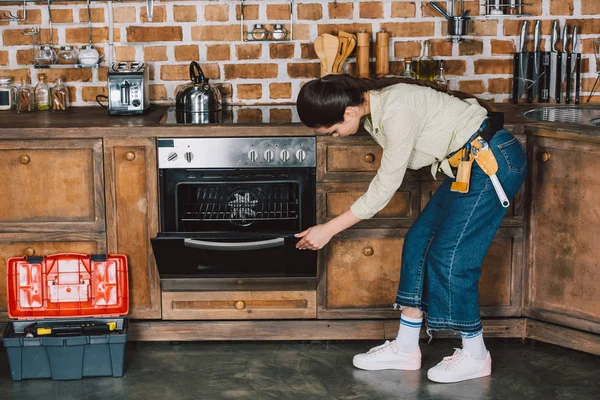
x=315, y=237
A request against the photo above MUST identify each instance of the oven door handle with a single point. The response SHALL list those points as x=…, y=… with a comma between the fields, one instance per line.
x=240, y=246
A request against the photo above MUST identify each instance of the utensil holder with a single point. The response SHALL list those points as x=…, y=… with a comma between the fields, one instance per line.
x=458, y=26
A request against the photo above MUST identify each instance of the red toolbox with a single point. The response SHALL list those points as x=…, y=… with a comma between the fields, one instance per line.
x=70, y=311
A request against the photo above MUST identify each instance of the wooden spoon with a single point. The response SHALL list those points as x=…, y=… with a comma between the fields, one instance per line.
x=339, y=59
x=331, y=45
x=351, y=44
x=320, y=50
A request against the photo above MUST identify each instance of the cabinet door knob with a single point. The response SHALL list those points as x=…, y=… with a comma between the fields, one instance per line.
x=240, y=305
x=544, y=156
x=368, y=251
x=25, y=159
x=29, y=252
x=130, y=156
x=369, y=158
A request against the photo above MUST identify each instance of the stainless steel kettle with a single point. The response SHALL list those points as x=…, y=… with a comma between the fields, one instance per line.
x=198, y=102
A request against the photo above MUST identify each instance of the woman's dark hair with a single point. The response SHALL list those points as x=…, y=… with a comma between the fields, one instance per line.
x=322, y=102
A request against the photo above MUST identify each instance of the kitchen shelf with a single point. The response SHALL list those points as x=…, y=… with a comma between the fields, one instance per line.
x=247, y=35
x=66, y=66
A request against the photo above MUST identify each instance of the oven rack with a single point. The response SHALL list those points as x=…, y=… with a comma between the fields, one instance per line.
x=240, y=211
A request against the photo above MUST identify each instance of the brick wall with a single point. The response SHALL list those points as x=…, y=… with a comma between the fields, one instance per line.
x=265, y=72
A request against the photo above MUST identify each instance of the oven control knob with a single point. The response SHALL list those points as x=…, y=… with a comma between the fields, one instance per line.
x=252, y=155
x=284, y=155
x=269, y=155
x=189, y=156
x=301, y=155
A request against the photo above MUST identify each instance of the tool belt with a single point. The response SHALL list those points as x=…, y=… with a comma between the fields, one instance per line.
x=478, y=150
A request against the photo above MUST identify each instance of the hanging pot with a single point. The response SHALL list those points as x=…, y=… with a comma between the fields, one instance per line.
x=198, y=102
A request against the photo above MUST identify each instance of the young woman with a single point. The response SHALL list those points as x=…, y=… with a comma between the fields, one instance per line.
x=420, y=125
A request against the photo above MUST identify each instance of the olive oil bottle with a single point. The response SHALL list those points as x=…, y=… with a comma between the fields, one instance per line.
x=426, y=70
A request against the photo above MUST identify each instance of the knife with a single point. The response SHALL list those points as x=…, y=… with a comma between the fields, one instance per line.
x=520, y=66
x=564, y=60
x=576, y=64
x=554, y=61
x=572, y=60
x=536, y=59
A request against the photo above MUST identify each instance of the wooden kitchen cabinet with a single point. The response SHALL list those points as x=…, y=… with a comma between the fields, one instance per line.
x=132, y=217
x=563, y=271
x=28, y=244
x=51, y=186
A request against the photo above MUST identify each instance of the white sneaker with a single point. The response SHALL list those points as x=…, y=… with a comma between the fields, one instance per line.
x=387, y=356
x=461, y=366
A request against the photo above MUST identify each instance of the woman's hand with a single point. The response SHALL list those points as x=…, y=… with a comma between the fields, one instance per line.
x=314, y=238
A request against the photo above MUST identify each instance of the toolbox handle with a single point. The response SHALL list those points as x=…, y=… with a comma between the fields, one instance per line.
x=240, y=246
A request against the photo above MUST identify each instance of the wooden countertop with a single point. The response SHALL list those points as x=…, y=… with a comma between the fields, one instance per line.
x=94, y=122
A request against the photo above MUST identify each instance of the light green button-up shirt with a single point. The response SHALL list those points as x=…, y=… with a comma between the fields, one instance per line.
x=416, y=126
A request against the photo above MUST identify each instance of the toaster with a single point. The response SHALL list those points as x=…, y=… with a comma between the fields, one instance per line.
x=127, y=88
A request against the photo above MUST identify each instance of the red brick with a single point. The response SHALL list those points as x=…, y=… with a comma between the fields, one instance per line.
x=72, y=94
x=182, y=72
x=25, y=57
x=371, y=9
x=69, y=74
x=473, y=87
x=485, y=27
x=248, y=51
x=13, y=37
x=499, y=85
x=61, y=15
x=588, y=7
x=280, y=90
x=184, y=13
x=494, y=66
x=103, y=74
x=310, y=12
x=565, y=7
x=89, y=93
x=251, y=71
x=157, y=92
x=304, y=70
x=226, y=89
x=4, y=57
x=216, y=12
x=301, y=32
x=249, y=115
x=155, y=53
x=249, y=91
x=407, y=49
x=124, y=14
x=534, y=9
x=187, y=53
x=281, y=50
x=280, y=115
x=219, y=33
x=278, y=11
x=125, y=53
x=470, y=48
x=404, y=10
x=82, y=35
x=16, y=74
x=34, y=17
x=218, y=52
x=154, y=34
x=503, y=46
x=97, y=15
x=428, y=11
x=410, y=29
x=250, y=12
x=441, y=48
x=307, y=51
x=159, y=14
x=455, y=67
x=340, y=10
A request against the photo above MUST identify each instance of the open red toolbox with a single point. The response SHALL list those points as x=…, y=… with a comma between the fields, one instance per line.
x=70, y=315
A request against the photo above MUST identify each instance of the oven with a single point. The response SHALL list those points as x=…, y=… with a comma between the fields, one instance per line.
x=229, y=207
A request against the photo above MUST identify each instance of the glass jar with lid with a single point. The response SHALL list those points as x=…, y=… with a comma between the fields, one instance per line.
x=25, y=97
x=67, y=55
x=60, y=96
x=42, y=94
x=259, y=32
x=46, y=56
x=7, y=94
x=88, y=55
x=279, y=32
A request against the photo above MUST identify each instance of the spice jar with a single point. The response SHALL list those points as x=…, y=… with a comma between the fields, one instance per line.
x=88, y=55
x=259, y=32
x=279, y=32
x=46, y=56
x=60, y=96
x=42, y=94
x=67, y=55
x=7, y=94
x=25, y=97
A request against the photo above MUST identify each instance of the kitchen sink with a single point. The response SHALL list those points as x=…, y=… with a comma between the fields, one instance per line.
x=587, y=116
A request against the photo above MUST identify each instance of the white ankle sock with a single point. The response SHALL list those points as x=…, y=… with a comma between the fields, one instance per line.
x=473, y=343
x=408, y=334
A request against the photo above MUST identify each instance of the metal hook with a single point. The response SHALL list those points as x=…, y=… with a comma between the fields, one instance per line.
x=89, y=20
x=50, y=20
x=12, y=17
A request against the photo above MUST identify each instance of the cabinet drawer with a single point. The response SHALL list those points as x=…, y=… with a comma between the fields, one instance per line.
x=51, y=185
x=239, y=305
x=44, y=244
x=341, y=158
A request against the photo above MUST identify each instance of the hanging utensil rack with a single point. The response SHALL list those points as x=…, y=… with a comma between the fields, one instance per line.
x=487, y=7
x=247, y=34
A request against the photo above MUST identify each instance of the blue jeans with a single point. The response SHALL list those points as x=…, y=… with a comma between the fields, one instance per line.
x=444, y=249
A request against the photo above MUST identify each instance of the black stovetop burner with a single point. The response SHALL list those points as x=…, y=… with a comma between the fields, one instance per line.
x=246, y=114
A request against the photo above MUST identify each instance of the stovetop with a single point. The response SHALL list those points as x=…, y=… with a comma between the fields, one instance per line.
x=244, y=114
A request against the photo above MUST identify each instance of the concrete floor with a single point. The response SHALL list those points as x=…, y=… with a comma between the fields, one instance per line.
x=317, y=370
